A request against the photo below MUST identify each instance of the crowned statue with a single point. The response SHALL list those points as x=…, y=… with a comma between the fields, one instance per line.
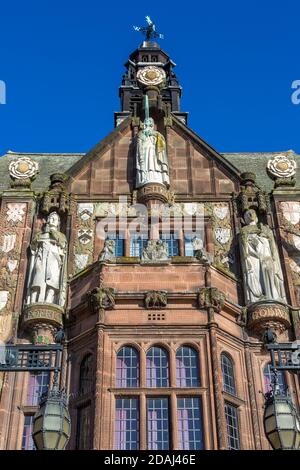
x=263, y=278
x=47, y=277
x=151, y=155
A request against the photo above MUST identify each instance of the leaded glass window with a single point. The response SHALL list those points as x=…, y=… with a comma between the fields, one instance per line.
x=228, y=374
x=157, y=368
x=119, y=245
x=137, y=244
x=269, y=379
x=83, y=437
x=189, y=417
x=127, y=424
x=38, y=385
x=27, y=440
x=158, y=424
x=86, y=374
x=172, y=244
x=187, y=370
x=127, y=371
x=233, y=435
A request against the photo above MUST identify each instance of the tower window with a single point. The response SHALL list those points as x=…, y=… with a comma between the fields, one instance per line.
x=190, y=434
x=157, y=368
x=158, y=424
x=187, y=371
x=127, y=368
x=145, y=58
x=153, y=58
x=228, y=374
x=127, y=424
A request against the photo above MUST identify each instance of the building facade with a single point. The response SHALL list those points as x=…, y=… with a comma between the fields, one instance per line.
x=164, y=261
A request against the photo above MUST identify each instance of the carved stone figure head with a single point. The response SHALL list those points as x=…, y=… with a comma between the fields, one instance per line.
x=53, y=220
x=250, y=217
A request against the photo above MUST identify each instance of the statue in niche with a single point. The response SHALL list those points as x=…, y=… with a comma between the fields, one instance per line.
x=47, y=278
x=263, y=279
x=151, y=156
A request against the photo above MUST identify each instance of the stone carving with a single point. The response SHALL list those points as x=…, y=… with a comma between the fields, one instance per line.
x=281, y=166
x=81, y=261
x=85, y=210
x=211, y=297
x=155, y=252
x=156, y=299
x=56, y=198
x=199, y=251
x=222, y=233
x=108, y=252
x=12, y=264
x=271, y=315
x=101, y=298
x=84, y=243
x=263, y=278
x=151, y=75
x=291, y=211
x=47, y=268
x=9, y=241
x=85, y=235
x=23, y=168
x=15, y=212
x=151, y=156
x=221, y=211
x=3, y=299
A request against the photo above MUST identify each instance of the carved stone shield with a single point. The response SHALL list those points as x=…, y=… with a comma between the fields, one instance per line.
x=3, y=299
x=291, y=211
x=222, y=235
x=221, y=212
x=8, y=242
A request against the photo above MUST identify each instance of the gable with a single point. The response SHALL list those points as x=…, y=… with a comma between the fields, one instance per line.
x=195, y=168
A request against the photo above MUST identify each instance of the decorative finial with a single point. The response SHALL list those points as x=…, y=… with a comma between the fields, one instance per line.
x=149, y=30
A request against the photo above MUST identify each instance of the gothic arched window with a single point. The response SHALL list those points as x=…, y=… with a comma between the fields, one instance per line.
x=85, y=375
x=228, y=374
x=157, y=367
x=269, y=377
x=127, y=370
x=187, y=370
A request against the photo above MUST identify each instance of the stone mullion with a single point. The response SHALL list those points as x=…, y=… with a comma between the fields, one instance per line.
x=143, y=421
x=173, y=421
x=217, y=376
x=252, y=397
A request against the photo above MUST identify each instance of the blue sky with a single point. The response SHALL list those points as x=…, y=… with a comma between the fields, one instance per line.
x=62, y=62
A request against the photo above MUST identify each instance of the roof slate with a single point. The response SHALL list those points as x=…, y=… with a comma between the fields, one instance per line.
x=50, y=163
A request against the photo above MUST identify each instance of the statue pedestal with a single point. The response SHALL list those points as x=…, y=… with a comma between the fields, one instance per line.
x=42, y=320
x=268, y=314
x=153, y=192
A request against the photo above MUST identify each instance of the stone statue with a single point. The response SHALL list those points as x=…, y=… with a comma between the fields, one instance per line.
x=151, y=156
x=263, y=279
x=199, y=251
x=108, y=252
x=155, y=251
x=47, y=269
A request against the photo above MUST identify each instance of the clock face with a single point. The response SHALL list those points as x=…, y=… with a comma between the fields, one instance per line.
x=151, y=75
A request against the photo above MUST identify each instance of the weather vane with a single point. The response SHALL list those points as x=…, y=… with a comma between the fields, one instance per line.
x=149, y=30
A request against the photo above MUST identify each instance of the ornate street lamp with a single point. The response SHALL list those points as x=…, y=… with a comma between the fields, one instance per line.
x=281, y=420
x=52, y=423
